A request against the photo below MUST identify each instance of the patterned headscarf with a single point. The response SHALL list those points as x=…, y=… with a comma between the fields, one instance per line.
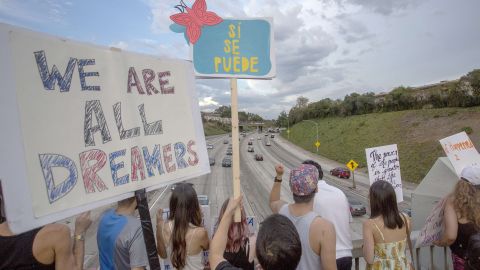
x=303, y=180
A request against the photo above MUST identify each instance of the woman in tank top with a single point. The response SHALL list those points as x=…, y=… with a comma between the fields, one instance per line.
x=181, y=239
x=239, y=251
x=385, y=234
x=462, y=216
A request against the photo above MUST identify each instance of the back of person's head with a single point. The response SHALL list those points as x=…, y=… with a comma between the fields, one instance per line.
x=3, y=216
x=467, y=195
x=278, y=244
x=303, y=183
x=184, y=209
x=127, y=202
x=238, y=231
x=383, y=202
x=473, y=252
x=319, y=168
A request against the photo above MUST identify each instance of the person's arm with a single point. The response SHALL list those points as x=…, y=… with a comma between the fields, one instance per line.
x=219, y=241
x=368, y=242
x=161, y=249
x=275, y=202
x=327, y=244
x=451, y=225
x=64, y=257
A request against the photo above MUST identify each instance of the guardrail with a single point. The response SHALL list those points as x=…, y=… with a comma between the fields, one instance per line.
x=429, y=257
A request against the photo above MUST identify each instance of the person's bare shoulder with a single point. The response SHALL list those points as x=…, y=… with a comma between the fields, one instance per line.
x=54, y=231
x=323, y=226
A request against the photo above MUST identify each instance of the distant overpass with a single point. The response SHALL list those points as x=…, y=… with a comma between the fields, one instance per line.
x=258, y=125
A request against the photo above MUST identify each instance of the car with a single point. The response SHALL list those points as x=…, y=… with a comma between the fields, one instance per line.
x=212, y=161
x=258, y=157
x=266, y=134
x=227, y=162
x=268, y=143
x=272, y=136
x=225, y=142
x=230, y=135
x=251, y=139
x=172, y=188
x=250, y=149
x=250, y=143
x=209, y=146
x=229, y=152
x=203, y=199
x=357, y=208
x=259, y=138
x=340, y=172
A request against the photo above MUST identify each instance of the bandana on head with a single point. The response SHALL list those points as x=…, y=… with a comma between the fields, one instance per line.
x=303, y=180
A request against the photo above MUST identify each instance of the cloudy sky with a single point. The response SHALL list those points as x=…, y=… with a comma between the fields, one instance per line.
x=324, y=48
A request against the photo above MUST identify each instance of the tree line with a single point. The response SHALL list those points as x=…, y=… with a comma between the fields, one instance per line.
x=464, y=92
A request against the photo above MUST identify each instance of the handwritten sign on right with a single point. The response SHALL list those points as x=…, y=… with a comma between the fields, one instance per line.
x=384, y=164
x=460, y=151
x=434, y=225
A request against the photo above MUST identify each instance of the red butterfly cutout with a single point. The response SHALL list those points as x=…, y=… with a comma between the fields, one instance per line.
x=195, y=18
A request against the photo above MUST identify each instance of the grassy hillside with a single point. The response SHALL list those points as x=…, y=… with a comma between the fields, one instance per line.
x=213, y=128
x=416, y=132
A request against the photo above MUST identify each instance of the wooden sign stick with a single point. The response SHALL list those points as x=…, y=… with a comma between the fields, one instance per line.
x=235, y=145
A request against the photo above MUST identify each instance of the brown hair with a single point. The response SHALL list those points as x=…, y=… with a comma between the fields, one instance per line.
x=237, y=232
x=466, y=202
x=184, y=209
x=383, y=202
x=3, y=217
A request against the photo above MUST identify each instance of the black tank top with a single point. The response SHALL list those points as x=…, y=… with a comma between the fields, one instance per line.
x=16, y=252
x=240, y=258
x=459, y=247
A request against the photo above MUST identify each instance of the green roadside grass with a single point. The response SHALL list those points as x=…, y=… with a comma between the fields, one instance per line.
x=416, y=132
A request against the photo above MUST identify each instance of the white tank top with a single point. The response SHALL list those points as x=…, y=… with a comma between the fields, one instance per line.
x=309, y=260
x=192, y=262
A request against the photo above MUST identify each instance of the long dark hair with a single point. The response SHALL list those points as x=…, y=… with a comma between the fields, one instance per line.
x=383, y=202
x=184, y=209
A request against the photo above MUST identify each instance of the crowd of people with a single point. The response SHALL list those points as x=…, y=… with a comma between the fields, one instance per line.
x=313, y=232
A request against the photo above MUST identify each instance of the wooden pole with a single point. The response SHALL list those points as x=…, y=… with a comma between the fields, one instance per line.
x=235, y=145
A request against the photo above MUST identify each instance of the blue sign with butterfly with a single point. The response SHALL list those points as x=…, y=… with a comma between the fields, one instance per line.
x=235, y=48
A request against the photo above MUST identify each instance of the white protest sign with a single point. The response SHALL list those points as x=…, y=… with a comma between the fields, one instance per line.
x=384, y=164
x=460, y=151
x=84, y=126
x=434, y=225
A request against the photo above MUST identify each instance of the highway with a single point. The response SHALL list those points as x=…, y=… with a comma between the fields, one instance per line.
x=256, y=182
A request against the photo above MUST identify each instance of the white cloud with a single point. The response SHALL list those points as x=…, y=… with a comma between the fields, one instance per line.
x=120, y=44
x=207, y=101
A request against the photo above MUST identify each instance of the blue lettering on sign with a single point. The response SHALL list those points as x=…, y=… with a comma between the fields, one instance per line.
x=117, y=181
x=49, y=161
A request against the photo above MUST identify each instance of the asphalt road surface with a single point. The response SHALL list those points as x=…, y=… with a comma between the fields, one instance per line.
x=256, y=182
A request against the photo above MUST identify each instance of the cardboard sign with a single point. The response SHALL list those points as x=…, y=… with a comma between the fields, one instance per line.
x=384, y=164
x=434, y=225
x=84, y=126
x=236, y=48
x=460, y=151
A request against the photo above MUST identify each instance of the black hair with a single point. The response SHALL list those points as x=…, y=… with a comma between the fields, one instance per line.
x=3, y=217
x=383, y=202
x=278, y=244
x=319, y=168
x=303, y=199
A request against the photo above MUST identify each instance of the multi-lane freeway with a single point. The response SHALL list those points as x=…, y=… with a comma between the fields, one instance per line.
x=256, y=182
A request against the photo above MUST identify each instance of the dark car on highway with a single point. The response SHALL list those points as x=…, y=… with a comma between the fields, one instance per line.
x=340, y=172
x=357, y=209
x=211, y=160
x=250, y=149
x=225, y=141
x=227, y=162
x=272, y=136
x=258, y=157
x=250, y=143
x=229, y=152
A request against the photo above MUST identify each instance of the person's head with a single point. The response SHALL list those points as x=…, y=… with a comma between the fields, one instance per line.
x=238, y=231
x=467, y=195
x=319, y=168
x=128, y=202
x=473, y=252
x=278, y=244
x=303, y=183
x=383, y=202
x=184, y=209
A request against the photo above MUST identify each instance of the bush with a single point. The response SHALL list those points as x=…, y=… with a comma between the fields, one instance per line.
x=467, y=130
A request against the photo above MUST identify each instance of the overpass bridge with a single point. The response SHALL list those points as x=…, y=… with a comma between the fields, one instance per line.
x=258, y=125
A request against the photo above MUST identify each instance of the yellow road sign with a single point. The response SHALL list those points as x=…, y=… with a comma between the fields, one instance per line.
x=317, y=144
x=352, y=165
x=288, y=130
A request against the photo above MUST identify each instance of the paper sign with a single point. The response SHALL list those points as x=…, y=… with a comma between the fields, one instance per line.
x=434, y=225
x=84, y=126
x=384, y=164
x=235, y=48
x=460, y=151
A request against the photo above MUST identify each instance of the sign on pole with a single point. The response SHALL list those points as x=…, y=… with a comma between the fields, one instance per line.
x=460, y=151
x=384, y=164
x=84, y=126
x=434, y=226
x=352, y=165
